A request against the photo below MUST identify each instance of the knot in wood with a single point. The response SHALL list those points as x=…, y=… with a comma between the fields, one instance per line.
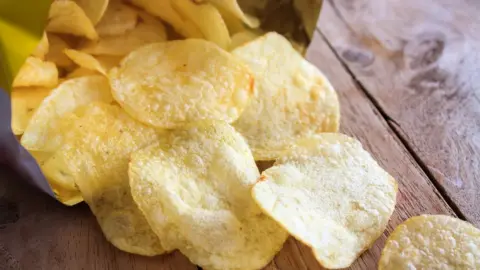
x=424, y=50
x=358, y=56
x=429, y=80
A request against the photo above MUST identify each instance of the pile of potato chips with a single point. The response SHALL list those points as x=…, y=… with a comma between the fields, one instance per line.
x=154, y=113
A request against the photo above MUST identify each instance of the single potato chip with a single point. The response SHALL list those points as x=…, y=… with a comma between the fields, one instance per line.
x=143, y=34
x=330, y=194
x=24, y=103
x=293, y=98
x=99, y=64
x=194, y=189
x=81, y=72
x=164, y=10
x=96, y=158
x=233, y=7
x=42, y=48
x=36, y=72
x=94, y=9
x=55, y=53
x=67, y=17
x=432, y=242
x=242, y=38
x=207, y=18
x=45, y=132
x=118, y=19
x=170, y=84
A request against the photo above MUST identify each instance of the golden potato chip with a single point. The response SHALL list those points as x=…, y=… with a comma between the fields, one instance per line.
x=45, y=131
x=294, y=99
x=96, y=159
x=94, y=9
x=24, y=103
x=165, y=11
x=143, y=34
x=81, y=72
x=207, y=18
x=118, y=19
x=233, y=7
x=194, y=189
x=36, y=72
x=42, y=48
x=432, y=242
x=55, y=53
x=169, y=84
x=68, y=18
x=330, y=194
x=101, y=64
x=242, y=38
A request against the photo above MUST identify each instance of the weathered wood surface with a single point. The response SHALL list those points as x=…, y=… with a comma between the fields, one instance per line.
x=420, y=62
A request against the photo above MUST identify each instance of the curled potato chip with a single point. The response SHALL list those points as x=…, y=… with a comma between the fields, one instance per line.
x=207, y=18
x=194, y=189
x=144, y=33
x=167, y=85
x=330, y=194
x=67, y=17
x=118, y=19
x=99, y=64
x=294, y=99
x=165, y=11
x=42, y=48
x=94, y=9
x=432, y=242
x=36, y=72
x=55, y=53
x=24, y=103
x=233, y=7
x=96, y=159
x=81, y=72
x=242, y=38
x=45, y=132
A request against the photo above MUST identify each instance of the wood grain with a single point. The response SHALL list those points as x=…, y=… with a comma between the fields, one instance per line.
x=420, y=61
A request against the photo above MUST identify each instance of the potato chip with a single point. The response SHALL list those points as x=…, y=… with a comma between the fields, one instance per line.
x=207, y=18
x=99, y=64
x=330, y=194
x=45, y=132
x=81, y=72
x=96, y=159
x=294, y=99
x=94, y=9
x=36, y=72
x=169, y=84
x=42, y=48
x=68, y=18
x=194, y=189
x=55, y=53
x=24, y=103
x=165, y=11
x=118, y=19
x=432, y=242
x=242, y=38
x=121, y=45
x=233, y=7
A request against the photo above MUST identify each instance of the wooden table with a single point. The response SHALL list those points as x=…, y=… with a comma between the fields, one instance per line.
x=408, y=76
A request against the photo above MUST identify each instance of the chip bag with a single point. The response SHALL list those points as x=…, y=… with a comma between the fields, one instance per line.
x=23, y=31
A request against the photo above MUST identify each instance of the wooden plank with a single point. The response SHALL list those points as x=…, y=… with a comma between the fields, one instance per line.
x=420, y=61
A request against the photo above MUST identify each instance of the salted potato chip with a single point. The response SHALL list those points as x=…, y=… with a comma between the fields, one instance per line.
x=96, y=158
x=143, y=34
x=166, y=12
x=55, y=53
x=294, y=99
x=42, y=48
x=194, y=189
x=67, y=17
x=233, y=7
x=45, y=131
x=207, y=18
x=118, y=19
x=36, y=72
x=432, y=242
x=99, y=64
x=169, y=84
x=330, y=194
x=24, y=103
x=94, y=9
x=81, y=72
x=242, y=38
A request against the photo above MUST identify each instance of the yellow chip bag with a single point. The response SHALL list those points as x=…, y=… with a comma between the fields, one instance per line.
x=329, y=193
x=67, y=17
x=170, y=84
x=24, y=103
x=432, y=242
x=36, y=72
x=96, y=158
